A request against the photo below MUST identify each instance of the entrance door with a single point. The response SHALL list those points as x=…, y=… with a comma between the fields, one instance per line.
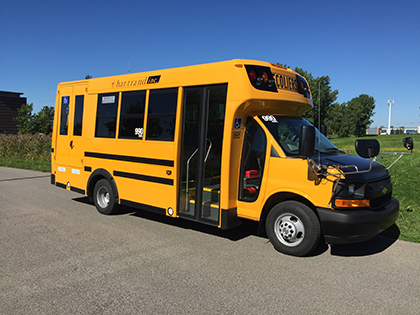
x=62, y=147
x=69, y=147
x=202, y=140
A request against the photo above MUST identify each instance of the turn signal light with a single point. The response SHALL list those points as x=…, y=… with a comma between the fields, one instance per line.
x=265, y=77
x=353, y=203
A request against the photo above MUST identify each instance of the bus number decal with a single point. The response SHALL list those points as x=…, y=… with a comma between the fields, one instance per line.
x=269, y=118
x=138, y=132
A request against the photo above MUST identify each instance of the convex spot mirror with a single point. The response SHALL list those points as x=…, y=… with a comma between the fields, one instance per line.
x=408, y=143
x=367, y=148
x=307, y=141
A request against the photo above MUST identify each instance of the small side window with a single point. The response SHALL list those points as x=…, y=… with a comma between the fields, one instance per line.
x=78, y=115
x=162, y=114
x=106, y=115
x=252, y=161
x=64, y=119
x=132, y=115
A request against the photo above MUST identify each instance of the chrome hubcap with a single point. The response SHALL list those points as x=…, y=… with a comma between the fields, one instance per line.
x=103, y=197
x=289, y=229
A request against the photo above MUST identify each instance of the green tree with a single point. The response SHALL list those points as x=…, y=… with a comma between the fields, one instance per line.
x=25, y=119
x=338, y=122
x=323, y=97
x=360, y=111
x=44, y=120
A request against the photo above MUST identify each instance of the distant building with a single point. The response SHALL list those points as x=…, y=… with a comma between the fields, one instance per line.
x=10, y=102
x=396, y=130
x=374, y=131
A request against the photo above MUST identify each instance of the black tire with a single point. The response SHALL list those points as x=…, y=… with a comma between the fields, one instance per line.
x=293, y=228
x=104, y=198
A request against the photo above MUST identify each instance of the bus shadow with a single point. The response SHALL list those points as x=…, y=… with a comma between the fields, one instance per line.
x=250, y=228
x=373, y=246
x=247, y=228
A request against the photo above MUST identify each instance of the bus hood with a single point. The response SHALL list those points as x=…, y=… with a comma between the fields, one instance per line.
x=354, y=163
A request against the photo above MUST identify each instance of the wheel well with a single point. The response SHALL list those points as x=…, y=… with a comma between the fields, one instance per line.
x=95, y=177
x=277, y=198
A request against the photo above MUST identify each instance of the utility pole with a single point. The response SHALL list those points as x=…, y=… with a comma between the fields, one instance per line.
x=389, y=118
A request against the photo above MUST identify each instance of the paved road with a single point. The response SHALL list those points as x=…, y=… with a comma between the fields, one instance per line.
x=58, y=255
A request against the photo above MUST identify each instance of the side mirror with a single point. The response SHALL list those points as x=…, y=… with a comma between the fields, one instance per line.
x=367, y=148
x=307, y=141
x=408, y=143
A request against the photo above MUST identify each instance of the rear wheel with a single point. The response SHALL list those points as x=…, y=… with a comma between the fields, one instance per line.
x=293, y=228
x=104, y=197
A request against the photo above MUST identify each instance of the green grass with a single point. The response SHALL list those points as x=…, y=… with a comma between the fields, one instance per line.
x=405, y=176
x=27, y=165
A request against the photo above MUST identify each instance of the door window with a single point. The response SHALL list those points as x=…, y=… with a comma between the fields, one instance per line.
x=252, y=161
x=203, y=124
x=64, y=119
x=78, y=115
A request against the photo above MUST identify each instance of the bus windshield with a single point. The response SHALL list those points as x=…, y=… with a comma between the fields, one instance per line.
x=286, y=130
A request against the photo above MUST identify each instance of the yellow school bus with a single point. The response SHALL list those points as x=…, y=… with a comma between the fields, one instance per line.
x=218, y=143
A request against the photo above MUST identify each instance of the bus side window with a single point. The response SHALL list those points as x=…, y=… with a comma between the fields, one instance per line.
x=65, y=100
x=106, y=115
x=161, y=114
x=132, y=115
x=78, y=115
x=252, y=161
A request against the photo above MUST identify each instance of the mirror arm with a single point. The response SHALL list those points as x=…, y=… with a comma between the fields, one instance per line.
x=389, y=154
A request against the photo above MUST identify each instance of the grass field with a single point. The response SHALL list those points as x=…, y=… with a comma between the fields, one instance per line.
x=405, y=176
x=33, y=152
x=26, y=151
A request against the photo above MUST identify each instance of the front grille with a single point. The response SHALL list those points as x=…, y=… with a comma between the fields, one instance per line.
x=380, y=183
x=381, y=201
x=380, y=192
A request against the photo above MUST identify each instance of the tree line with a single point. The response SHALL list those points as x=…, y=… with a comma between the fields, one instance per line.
x=345, y=119
x=39, y=123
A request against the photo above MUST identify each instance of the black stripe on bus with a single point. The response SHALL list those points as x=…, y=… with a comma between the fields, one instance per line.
x=127, y=158
x=78, y=190
x=61, y=185
x=143, y=206
x=153, y=179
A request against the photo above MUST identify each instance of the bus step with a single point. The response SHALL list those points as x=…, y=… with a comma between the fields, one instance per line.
x=211, y=194
x=210, y=210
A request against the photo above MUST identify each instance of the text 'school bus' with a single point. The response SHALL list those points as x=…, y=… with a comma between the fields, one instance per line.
x=218, y=143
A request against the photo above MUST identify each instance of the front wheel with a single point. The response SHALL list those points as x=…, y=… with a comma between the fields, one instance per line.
x=104, y=197
x=293, y=228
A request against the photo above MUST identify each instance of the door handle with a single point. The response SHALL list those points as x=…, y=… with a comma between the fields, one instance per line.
x=71, y=144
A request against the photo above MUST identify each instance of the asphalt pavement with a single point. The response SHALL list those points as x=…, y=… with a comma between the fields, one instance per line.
x=58, y=255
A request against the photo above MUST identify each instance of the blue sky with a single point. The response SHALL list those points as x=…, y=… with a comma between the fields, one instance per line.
x=365, y=47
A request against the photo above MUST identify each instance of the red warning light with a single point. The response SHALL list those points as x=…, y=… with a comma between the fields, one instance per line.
x=252, y=75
